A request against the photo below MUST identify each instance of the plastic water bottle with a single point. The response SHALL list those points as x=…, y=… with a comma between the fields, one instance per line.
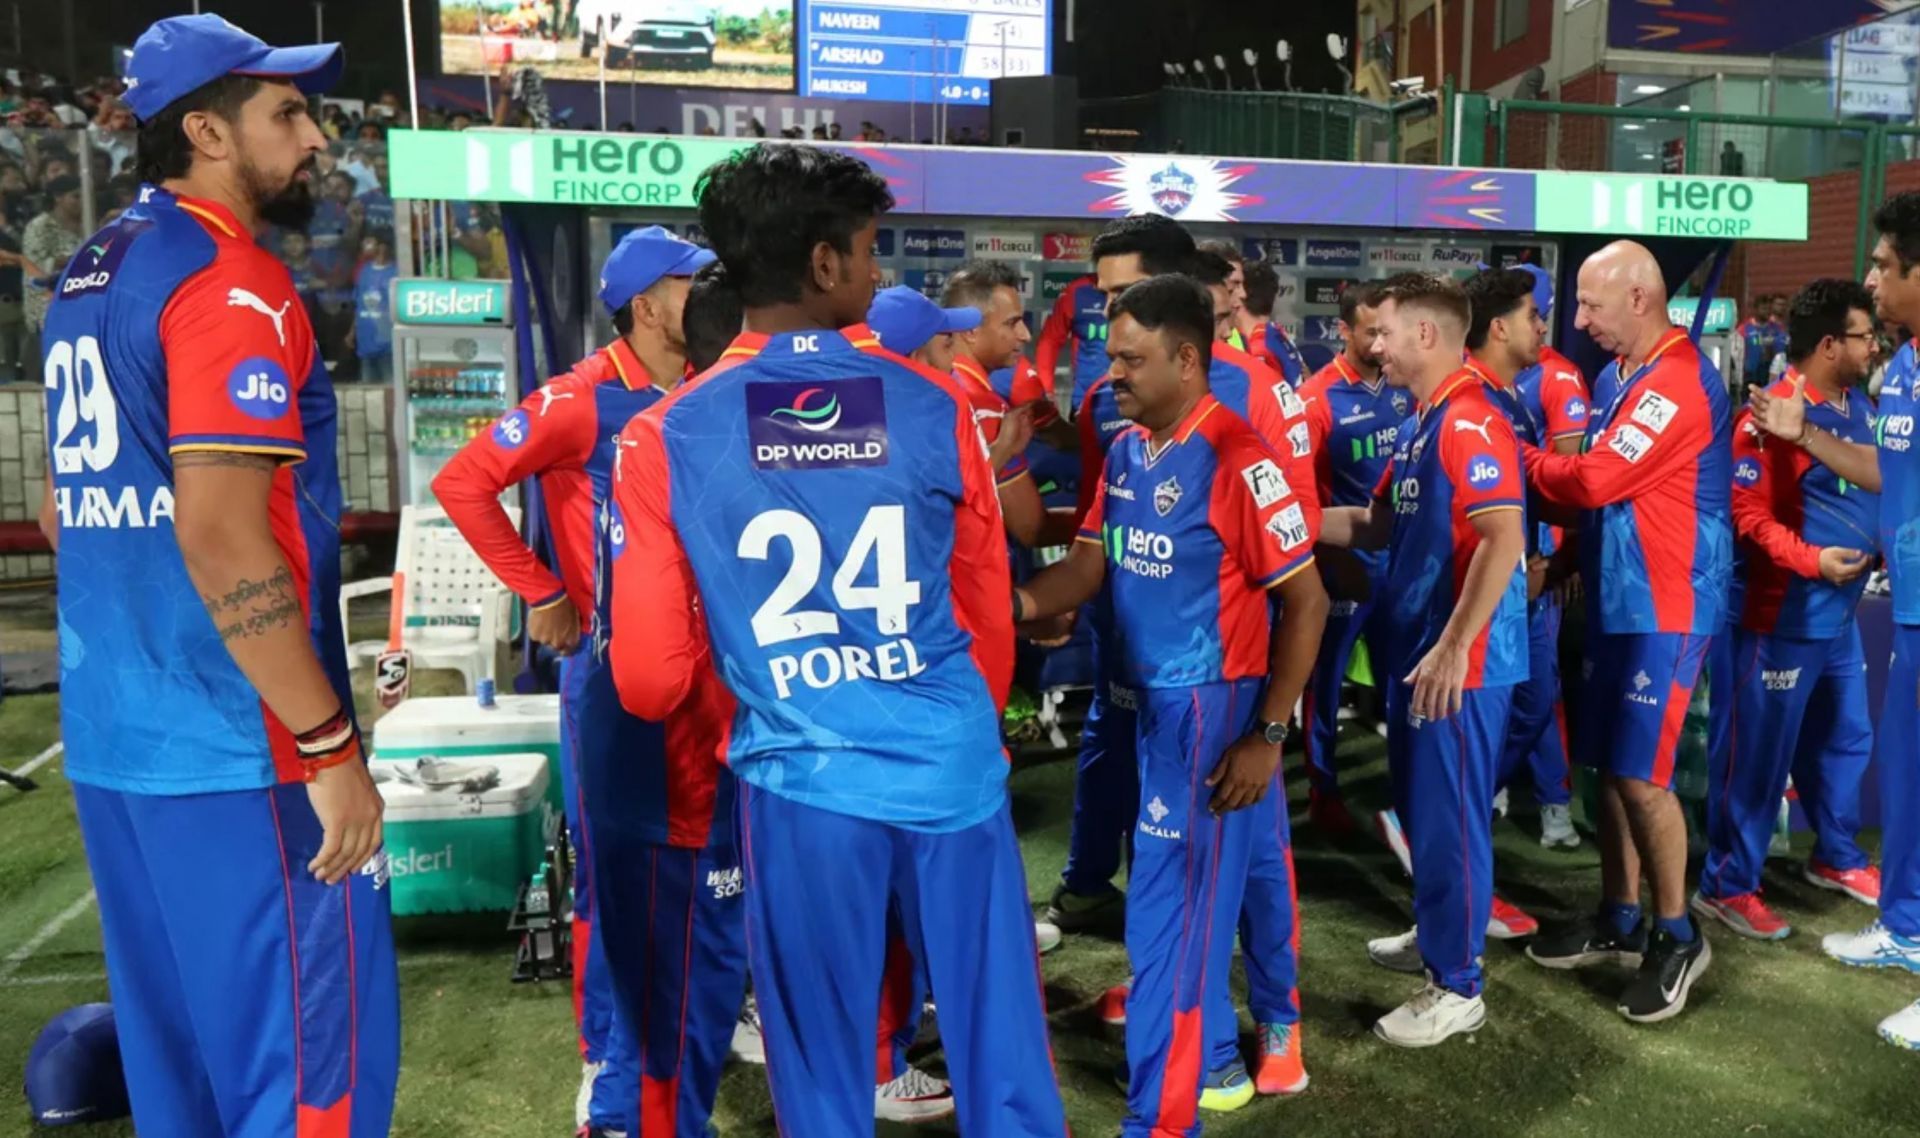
x=484, y=691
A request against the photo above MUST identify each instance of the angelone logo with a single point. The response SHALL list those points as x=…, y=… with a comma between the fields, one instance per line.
x=823, y=417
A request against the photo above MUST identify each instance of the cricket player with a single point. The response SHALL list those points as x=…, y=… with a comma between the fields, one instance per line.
x=1651, y=493
x=1353, y=416
x=1801, y=702
x=1200, y=525
x=821, y=512
x=1451, y=511
x=231, y=826
x=1893, y=470
x=1076, y=328
x=666, y=945
x=1256, y=332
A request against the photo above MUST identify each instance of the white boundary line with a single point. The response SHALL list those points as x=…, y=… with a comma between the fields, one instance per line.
x=41, y=759
x=48, y=931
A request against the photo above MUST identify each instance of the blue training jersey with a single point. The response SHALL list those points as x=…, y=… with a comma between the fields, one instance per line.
x=1900, y=481
x=832, y=505
x=171, y=331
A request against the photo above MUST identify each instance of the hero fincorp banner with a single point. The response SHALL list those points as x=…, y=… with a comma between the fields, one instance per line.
x=627, y=170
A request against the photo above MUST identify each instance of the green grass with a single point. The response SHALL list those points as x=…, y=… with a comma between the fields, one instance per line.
x=1778, y=1041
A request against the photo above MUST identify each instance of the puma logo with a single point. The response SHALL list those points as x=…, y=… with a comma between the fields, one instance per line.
x=1480, y=428
x=548, y=397
x=241, y=298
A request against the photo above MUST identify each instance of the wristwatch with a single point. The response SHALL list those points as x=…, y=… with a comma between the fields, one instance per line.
x=1274, y=733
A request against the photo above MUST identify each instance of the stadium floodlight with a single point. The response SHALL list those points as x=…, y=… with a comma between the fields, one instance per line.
x=1336, y=45
x=1200, y=69
x=1220, y=61
x=1253, y=65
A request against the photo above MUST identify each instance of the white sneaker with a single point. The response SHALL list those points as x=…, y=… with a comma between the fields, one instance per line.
x=1433, y=1016
x=1500, y=805
x=913, y=1097
x=1556, y=827
x=1398, y=953
x=1387, y=825
x=1875, y=946
x=748, y=1044
x=1902, y=1028
x=583, y=1102
x=1046, y=936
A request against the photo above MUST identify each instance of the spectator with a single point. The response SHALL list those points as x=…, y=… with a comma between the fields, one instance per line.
x=50, y=242
x=372, y=331
x=461, y=120
x=1733, y=164
x=112, y=133
x=377, y=203
x=819, y=132
x=359, y=167
x=295, y=253
x=372, y=132
x=757, y=129
x=18, y=352
x=335, y=232
x=833, y=131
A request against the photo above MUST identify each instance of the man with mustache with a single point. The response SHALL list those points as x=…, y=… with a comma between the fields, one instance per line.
x=205, y=703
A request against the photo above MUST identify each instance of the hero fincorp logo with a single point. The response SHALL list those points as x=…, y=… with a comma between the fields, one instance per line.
x=815, y=426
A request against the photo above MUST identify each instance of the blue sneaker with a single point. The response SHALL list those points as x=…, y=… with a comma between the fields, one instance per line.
x=1875, y=946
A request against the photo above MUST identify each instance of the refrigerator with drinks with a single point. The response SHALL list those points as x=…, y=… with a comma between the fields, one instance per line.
x=453, y=372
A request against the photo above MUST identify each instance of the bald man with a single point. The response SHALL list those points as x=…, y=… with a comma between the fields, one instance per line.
x=1651, y=497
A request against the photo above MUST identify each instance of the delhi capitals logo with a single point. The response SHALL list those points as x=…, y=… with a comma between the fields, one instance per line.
x=822, y=418
x=1166, y=496
x=1172, y=190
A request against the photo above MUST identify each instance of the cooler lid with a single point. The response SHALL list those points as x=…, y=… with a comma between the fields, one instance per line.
x=521, y=787
x=459, y=721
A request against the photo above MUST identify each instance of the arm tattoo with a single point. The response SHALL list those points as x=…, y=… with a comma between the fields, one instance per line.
x=242, y=459
x=254, y=607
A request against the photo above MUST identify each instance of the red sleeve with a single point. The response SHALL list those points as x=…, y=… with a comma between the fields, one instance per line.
x=658, y=649
x=238, y=350
x=1481, y=456
x=1763, y=480
x=1661, y=433
x=1095, y=514
x=1319, y=429
x=1032, y=388
x=982, y=581
x=1384, y=488
x=1092, y=460
x=1563, y=399
x=1260, y=520
x=1056, y=336
x=552, y=430
x=988, y=409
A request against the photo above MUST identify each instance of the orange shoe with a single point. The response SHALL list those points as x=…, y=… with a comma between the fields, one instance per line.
x=1508, y=922
x=1282, y=1071
x=1113, y=1005
x=1863, y=885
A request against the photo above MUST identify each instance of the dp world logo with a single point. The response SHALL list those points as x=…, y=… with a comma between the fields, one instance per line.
x=1172, y=190
x=809, y=412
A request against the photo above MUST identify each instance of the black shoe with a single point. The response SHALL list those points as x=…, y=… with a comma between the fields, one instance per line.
x=1595, y=941
x=1072, y=912
x=1667, y=974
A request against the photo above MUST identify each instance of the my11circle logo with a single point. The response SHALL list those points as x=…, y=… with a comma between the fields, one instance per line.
x=260, y=388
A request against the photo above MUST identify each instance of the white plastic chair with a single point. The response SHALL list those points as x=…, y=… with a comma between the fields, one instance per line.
x=455, y=613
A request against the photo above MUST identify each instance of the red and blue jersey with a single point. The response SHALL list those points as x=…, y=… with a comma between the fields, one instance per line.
x=1527, y=427
x=1787, y=507
x=1256, y=393
x=563, y=434
x=1900, y=481
x=1352, y=424
x=1077, y=327
x=1099, y=423
x=1556, y=393
x=1194, y=532
x=1760, y=341
x=1022, y=385
x=821, y=511
x=1457, y=460
x=989, y=409
x=170, y=332
x=1655, y=483
x=1272, y=346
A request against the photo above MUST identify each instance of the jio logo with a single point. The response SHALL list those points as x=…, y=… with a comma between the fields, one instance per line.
x=616, y=530
x=512, y=428
x=260, y=388
x=1483, y=472
x=1747, y=473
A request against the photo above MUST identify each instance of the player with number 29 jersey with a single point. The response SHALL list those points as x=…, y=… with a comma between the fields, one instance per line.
x=833, y=505
x=233, y=368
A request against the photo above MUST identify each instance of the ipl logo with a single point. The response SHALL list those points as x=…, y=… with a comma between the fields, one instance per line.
x=1172, y=190
x=822, y=418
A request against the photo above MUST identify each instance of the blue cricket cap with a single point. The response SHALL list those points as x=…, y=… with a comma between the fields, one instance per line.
x=643, y=259
x=179, y=55
x=1542, y=288
x=73, y=1071
x=905, y=320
